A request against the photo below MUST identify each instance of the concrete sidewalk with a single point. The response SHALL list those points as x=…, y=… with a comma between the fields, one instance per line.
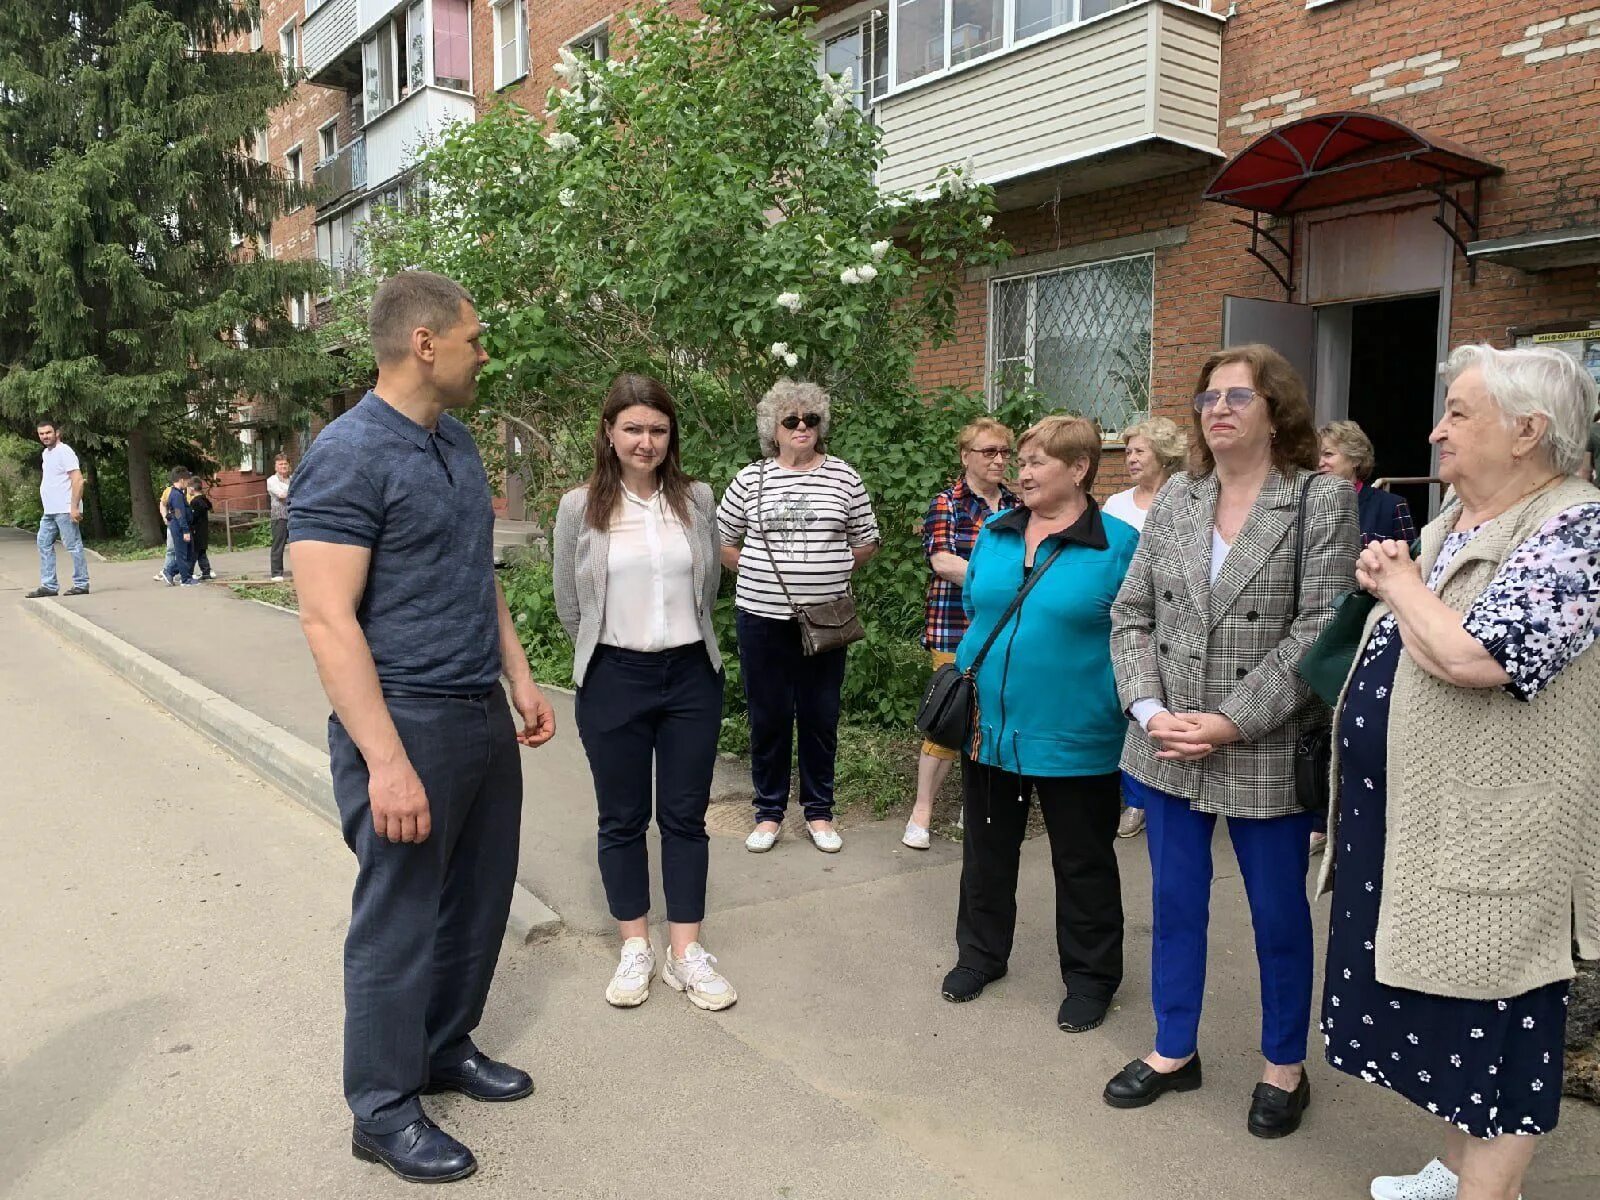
x=838, y=960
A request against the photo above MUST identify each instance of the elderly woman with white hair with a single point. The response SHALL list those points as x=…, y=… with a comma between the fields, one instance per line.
x=795, y=525
x=1464, y=828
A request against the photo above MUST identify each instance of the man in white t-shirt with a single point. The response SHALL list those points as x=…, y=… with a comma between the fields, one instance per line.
x=61, y=494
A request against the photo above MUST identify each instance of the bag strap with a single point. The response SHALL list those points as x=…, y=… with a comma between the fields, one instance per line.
x=1300, y=541
x=761, y=481
x=1016, y=603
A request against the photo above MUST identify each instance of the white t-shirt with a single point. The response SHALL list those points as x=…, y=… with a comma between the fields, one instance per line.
x=1122, y=507
x=649, y=579
x=55, y=488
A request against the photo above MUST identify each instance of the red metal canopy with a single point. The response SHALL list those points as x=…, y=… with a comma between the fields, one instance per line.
x=1340, y=157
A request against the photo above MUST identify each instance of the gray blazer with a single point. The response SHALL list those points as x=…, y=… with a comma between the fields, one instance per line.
x=579, y=568
x=1232, y=649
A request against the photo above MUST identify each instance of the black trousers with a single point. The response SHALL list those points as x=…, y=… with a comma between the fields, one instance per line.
x=640, y=713
x=1080, y=817
x=426, y=919
x=280, y=539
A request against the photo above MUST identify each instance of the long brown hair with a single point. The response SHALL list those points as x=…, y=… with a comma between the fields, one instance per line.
x=1295, y=433
x=605, y=481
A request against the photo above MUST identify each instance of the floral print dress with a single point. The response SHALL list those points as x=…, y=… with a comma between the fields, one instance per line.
x=1488, y=1067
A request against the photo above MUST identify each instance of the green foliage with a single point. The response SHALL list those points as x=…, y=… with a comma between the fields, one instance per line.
x=19, y=481
x=530, y=594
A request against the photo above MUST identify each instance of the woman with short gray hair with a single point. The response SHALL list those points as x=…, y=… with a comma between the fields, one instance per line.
x=795, y=525
x=1464, y=772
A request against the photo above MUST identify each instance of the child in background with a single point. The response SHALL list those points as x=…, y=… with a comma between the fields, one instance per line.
x=200, y=525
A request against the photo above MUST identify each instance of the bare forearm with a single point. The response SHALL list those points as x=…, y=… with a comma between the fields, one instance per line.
x=513, y=659
x=1438, y=642
x=729, y=556
x=947, y=566
x=863, y=554
x=77, y=490
x=349, y=677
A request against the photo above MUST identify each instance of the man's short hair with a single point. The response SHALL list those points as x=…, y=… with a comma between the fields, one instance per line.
x=410, y=301
x=44, y=423
x=178, y=474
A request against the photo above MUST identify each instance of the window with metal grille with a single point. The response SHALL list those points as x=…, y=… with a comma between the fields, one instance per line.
x=1080, y=336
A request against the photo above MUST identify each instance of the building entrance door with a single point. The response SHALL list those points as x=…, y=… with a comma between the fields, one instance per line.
x=1391, y=382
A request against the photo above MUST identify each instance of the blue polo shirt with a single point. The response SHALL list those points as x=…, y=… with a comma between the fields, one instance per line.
x=419, y=500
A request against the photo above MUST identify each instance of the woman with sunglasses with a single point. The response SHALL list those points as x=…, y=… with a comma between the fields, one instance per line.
x=949, y=533
x=1237, y=570
x=795, y=525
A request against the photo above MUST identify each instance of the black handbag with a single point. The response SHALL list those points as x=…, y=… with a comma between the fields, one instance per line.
x=948, y=705
x=824, y=625
x=1313, y=749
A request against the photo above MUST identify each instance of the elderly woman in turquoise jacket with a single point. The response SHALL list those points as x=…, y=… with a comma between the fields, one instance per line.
x=1048, y=722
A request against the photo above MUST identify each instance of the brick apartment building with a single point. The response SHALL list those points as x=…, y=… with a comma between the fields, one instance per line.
x=1362, y=183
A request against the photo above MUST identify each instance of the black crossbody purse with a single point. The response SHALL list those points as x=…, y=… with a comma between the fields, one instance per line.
x=948, y=705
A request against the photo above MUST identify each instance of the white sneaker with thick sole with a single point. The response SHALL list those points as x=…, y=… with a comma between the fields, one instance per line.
x=760, y=841
x=1131, y=823
x=915, y=836
x=1434, y=1182
x=826, y=840
x=695, y=975
x=630, y=986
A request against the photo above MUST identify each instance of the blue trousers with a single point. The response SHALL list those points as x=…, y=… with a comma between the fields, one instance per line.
x=52, y=526
x=1273, y=855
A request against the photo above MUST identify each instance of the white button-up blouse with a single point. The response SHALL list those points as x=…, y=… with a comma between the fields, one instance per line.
x=649, y=579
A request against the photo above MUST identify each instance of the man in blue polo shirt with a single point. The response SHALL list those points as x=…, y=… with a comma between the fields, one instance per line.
x=393, y=530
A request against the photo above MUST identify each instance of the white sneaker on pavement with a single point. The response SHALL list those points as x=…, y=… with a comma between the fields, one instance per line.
x=277, y=579
x=915, y=836
x=630, y=986
x=1131, y=823
x=826, y=840
x=696, y=977
x=760, y=840
x=1434, y=1182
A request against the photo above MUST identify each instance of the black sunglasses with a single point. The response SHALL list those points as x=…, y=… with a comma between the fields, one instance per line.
x=809, y=420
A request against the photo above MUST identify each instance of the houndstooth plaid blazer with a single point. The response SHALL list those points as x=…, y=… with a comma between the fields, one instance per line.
x=1233, y=648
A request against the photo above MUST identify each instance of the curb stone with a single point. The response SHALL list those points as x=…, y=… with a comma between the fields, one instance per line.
x=293, y=766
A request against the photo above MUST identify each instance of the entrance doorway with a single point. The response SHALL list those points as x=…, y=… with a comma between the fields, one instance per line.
x=1393, y=377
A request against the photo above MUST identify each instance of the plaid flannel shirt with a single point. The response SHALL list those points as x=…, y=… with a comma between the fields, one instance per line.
x=952, y=525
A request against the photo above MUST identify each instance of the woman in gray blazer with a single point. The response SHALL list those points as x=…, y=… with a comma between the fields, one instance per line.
x=1235, y=576
x=636, y=574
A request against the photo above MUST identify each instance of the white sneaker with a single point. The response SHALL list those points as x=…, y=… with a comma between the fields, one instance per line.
x=630, y=986
x=760, y=841
x=277, y=579
x=159, y=578
x=1131, y=823
x=826, y=840
x=915, y=836
x=1434, y=1182
x=695, y=976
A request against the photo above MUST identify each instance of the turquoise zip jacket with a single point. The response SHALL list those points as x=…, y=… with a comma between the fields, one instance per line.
x=1047, y=700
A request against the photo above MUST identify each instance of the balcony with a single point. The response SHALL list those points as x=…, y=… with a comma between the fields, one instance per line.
x=335, y=178
x=330, y=38
x=394, y=138
x=1117, y=99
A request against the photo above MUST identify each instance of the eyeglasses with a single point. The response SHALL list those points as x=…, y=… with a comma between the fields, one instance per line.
x=992, y=452
x=1237, y=397
x=809, y=420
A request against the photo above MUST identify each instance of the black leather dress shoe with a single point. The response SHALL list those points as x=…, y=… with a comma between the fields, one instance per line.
x=1138, y=1083
x=966, y=983
x=419, y=1153
x=1079, y=1014
x=1275, y=1113
x=481, y=1078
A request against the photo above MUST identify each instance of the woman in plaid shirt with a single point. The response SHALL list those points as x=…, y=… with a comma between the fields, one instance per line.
x=949, y=532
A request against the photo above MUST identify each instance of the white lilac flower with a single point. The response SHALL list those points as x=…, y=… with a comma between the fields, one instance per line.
x=567, y=198
x=562, y=141
x=986, y=221
x=820, y=125
x=568, y=66
x=791, y=359
x=879, y=249
x=867, y=272
x=789, y=300
x=778, y=349
x=849, y=275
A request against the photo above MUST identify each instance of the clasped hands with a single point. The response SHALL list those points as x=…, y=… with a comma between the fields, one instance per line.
x=1387, y=567
x=1189, y=737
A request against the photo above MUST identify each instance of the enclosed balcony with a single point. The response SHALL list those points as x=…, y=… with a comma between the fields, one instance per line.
x=335, y=178
x=394, y=138
x=1050, y=97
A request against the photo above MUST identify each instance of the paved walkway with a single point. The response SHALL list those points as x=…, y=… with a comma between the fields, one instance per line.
x=840, y=1072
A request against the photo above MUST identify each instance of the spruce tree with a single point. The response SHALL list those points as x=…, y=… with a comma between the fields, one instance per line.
x=129, y=310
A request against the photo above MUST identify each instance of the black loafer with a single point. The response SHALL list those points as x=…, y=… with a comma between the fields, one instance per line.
x=1079, y=1014
x=419, y=1153
x=1138, y=1083
x=76, y=591
x=966, y=983
x=40, y=593
x=481, y=1078
x=1275, y=1113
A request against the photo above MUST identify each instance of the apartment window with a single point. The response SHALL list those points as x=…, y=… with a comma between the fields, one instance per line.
x=393, y=61
x=258, y=147
x=339, y=243
x=255, y=31
x=919, y=38
x=933, y=35
x=510, y=41
x=1081, y=336
x=327, y=141
x=863, y=50
x=292, y=165
x=289, y=49
x=300, y=310
x=452, y=45
x=595, y=44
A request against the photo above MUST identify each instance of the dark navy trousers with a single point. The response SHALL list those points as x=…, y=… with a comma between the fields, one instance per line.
x=1273, y=854
x=426, y=919
x=652, y=718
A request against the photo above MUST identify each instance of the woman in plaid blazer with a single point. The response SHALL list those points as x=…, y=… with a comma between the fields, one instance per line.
x=1205, y=637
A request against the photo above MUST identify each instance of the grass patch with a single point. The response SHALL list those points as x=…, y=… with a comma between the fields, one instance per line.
x=876, y=769
x=281, y=594
x=124, y=549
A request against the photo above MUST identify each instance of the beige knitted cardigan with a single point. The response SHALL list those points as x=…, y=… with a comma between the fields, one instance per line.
x=1493, y=828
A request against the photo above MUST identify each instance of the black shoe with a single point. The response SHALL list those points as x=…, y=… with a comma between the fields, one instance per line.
x=481, y=1078
x=1275, y=1113
x=76, y=591
x=419, y=1153
x=40, y=593
x=1079, y=1014
x=1138, y=1083
x=966, y=983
